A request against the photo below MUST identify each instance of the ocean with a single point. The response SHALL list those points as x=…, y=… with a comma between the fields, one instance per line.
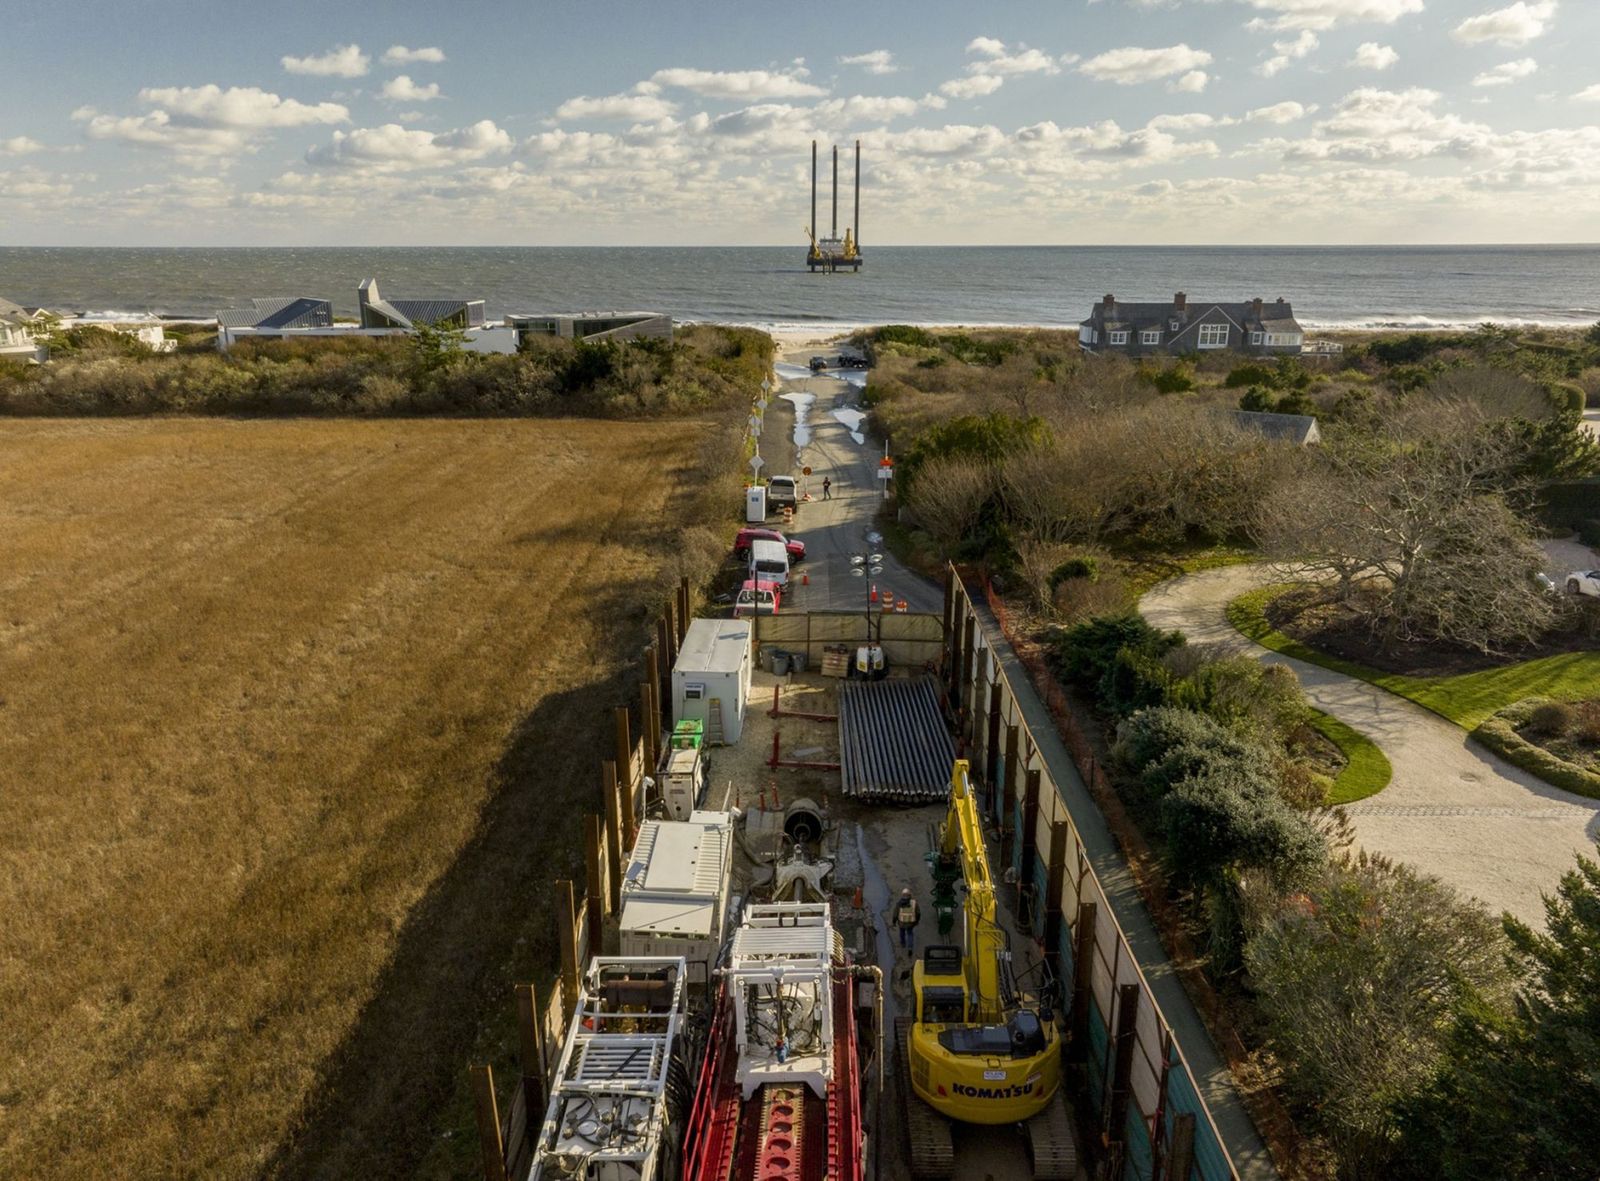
x=1329, y=286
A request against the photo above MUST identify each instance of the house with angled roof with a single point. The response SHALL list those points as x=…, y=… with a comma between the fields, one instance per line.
x=405, y=314
x=593, y=325
x=16, y=334
x=1299, y=429
x=1184, y=326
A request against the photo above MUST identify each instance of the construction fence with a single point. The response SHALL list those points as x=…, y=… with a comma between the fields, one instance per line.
x=1137, y=1080
x=909, y=640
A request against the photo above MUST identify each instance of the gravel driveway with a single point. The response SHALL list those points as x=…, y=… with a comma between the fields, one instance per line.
x=1452, y=809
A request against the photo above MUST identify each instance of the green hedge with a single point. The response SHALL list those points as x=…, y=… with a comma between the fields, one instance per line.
x=1499, y=734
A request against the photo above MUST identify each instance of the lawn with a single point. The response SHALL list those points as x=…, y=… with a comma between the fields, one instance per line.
x=298, y=719
x=1467, y=699
x=1366, y=770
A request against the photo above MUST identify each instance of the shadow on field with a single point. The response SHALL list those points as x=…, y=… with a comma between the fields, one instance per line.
x=387, y=1095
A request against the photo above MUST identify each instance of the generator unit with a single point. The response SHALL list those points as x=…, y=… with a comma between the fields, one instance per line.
x=675, y=891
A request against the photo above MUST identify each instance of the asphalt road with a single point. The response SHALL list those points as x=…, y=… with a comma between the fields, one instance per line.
x=815, y=421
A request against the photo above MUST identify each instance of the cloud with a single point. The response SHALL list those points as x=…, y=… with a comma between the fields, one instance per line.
x=1106, y=143
x=986, y=46
x=1284, y=112
x=1191, y=83
x=1023, y=61
x=237, y=106
x=949, y=140
x=19, y=145
x=740, y=84
x=1132, y=65
x=874, y=108
x=976, y=86
x=1286, y=51
x=1372, y=56
x=634, y=107
x=1515, y=25
x=1589, y=94
x=1190, y=122
x=347, y=61
x=874, y=61
x=32, y=184
x=392, y=146
x=399, y=55
x=1507, y=72
x=402, y=89
x=1322, y=15
x=159, y=130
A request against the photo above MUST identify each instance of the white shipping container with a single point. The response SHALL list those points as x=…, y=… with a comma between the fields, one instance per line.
x=713, y=665
x=675, y=890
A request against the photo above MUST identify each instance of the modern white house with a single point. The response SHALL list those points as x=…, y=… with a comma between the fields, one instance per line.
x=592, y=325
x=293, y=318
x=16, y=334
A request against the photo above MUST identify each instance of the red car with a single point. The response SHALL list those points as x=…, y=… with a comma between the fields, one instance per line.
x=742, y=540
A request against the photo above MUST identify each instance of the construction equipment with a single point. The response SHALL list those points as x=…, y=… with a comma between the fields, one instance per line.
x=779, y=1095
x=833, y=253
x=683, y=772
x=977, y=1049
x=616, y=1106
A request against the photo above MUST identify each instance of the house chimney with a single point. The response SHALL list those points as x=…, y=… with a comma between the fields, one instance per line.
x=1180, y=301
x=1255, y=308
x=1109, y=301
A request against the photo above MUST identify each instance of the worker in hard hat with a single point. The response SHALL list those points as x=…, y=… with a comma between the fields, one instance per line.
x=907, y=914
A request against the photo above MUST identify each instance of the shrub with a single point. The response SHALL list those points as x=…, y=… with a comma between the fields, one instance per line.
x=1084, y=566
x=1085, y=598
x=1090, y=655
x=1500, y=735
x=1150, y=733
x=1587, y=727
x=1174, y=380
x=1553, y=718
x=1257, y=399
x=904, y=334
x=1234, y=819
x=1256, y=375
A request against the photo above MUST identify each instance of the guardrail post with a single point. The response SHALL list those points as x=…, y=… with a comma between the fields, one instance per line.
x=991, y=744
x=567, y=930
x=490, y=1146
x=595, y=896
x=683, y=608
x=630, y=806
x=613, y=814
x=1030, y=828
x=1083, y=943
x=964, y=691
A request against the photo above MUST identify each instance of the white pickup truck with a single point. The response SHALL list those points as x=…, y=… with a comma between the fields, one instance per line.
x=1580, y=582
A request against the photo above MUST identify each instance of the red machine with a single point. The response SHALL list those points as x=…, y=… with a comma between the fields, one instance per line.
x=779, y=1095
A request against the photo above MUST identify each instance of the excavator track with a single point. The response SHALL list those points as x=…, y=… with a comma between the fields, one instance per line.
x=933, y=1154
x=1051, y=1142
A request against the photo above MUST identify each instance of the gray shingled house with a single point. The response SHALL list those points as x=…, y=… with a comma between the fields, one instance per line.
x=1185, y=326
x=289, y=311
x=377, y=312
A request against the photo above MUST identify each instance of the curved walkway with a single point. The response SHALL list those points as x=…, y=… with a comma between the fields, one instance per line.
x=1453, y=809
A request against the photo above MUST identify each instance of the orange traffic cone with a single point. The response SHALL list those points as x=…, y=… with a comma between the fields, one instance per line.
x=874, y=594
x=805, y=579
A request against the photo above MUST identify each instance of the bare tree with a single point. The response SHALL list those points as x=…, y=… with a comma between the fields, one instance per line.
x=949, y=497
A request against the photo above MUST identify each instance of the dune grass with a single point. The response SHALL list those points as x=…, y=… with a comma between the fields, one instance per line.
x=1366, y=770
x=1467, y=699
x=298, y=720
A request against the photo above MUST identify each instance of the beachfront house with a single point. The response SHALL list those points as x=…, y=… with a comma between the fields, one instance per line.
x=1191, y=326
x=273, y=319
x=593, y=325
x=1299, y=429
x=16, y=334
x=405, y=314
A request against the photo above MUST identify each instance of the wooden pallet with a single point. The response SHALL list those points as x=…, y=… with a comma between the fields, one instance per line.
x=835, y=661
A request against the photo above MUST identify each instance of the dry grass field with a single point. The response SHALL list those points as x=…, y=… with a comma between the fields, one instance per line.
x=297, y=720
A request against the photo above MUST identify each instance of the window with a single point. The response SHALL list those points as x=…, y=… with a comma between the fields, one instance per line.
x=1213, y=336
x=1088, y=334
x=1285, y=338
x=1119, y=338
x=1256, y=337
x=1174, y=323
x=1150, y=336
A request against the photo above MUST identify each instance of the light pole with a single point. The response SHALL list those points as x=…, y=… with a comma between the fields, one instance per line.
x=868, y=565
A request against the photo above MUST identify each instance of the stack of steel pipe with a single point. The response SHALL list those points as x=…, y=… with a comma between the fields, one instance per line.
x=893, y=745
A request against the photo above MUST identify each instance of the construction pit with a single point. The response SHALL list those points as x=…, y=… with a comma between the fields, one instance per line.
x=877, y=849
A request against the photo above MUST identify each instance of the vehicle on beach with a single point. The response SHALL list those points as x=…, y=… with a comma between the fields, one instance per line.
x=758, y=598
x=818, y=364
x=1580, y=582
x=743, y=538
x=782, y=492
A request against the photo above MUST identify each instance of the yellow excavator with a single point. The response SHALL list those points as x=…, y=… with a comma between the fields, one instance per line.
x=976, y=1049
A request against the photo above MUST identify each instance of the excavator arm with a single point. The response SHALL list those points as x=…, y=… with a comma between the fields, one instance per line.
x=960, y=857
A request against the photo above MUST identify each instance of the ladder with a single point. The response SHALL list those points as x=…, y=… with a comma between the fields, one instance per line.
x=714, y=723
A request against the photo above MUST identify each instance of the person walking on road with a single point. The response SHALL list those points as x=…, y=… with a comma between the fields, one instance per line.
x=907, y=914
x=827, y=487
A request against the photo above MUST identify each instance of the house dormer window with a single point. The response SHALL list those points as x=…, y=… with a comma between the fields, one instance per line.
x=1119, y=337
x=1257, y=337
x=1213, y=336
x=1150, y=336
x=1174, y=323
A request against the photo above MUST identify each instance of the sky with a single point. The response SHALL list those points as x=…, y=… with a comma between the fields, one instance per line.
x=670, y=123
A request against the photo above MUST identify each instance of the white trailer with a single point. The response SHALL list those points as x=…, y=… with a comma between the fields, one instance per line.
x=675, y=891
x=711, y=679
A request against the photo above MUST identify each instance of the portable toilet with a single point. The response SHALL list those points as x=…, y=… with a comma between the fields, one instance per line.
x=755, y=504
x=711, y=678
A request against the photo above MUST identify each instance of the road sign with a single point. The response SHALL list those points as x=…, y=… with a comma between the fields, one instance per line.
x=886, y=473
x=805, y=471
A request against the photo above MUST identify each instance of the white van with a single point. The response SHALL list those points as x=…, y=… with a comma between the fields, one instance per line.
x=769, y=562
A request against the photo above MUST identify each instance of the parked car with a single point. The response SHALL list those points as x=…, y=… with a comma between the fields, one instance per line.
x=1581, y=583
x=743, y=538
x=782, y=493
x=758, y=598
x=852, y=360
x=818, y=364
